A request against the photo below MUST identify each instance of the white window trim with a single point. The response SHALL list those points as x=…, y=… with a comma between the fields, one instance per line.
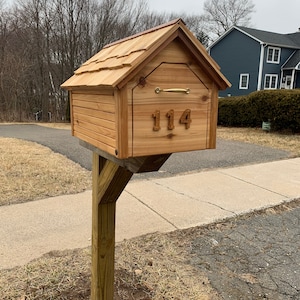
x=279, y=54
x=241, y=81
x=271, y=76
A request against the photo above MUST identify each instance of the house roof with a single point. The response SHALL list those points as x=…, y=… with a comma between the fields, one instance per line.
x=291, y=40
x=276, y=39
x=118, y=62
x=293, y=61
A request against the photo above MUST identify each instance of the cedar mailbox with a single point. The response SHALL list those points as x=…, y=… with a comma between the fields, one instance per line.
x=137, y=101
x=152, y=93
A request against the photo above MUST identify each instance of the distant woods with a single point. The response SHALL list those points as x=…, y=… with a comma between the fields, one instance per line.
x=42, y=42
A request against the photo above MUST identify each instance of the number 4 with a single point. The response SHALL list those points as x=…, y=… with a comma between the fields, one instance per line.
x=186, y=118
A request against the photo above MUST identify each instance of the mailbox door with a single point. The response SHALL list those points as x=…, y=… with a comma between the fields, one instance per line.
x=171, y=111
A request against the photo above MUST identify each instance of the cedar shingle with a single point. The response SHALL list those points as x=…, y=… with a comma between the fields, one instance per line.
x=116, y=61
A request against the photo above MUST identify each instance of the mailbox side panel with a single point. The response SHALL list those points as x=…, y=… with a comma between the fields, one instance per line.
x=94, y=118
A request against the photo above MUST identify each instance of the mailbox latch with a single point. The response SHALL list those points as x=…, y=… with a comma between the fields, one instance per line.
x=174, y=90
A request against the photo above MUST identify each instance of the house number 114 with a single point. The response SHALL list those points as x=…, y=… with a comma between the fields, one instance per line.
x=184, y=119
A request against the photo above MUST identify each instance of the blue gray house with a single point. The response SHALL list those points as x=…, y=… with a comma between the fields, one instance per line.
x=254, y=60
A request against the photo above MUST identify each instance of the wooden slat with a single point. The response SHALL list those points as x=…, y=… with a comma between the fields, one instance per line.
x=213, y=119
x=130, y=120
x=70, y=95
x=94, y=96
x=94, y=142
x=122, y=124
x=94, y=113
x=95, y=105
x=111, y=133
x=96, y=136
x=94, y=120
x=104, y=91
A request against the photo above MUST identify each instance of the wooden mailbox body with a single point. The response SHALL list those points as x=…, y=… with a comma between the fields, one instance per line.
x=152, y=93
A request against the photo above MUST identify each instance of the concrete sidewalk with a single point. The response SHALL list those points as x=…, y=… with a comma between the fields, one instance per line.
x=29, y=230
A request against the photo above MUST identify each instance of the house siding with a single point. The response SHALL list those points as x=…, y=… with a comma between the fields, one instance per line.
x=237, y=54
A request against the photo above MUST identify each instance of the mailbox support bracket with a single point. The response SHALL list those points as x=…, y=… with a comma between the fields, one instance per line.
x=110, y=177
x=140, y=164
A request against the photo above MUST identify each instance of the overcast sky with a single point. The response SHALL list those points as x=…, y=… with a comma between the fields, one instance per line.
x=281, y=16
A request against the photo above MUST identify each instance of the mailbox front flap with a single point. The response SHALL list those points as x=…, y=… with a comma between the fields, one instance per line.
x=171, y=111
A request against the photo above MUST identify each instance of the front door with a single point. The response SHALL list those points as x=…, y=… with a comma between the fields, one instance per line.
x=288, y=82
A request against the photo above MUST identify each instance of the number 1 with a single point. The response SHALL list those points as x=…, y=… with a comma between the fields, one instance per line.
x=170, y=116
x=156, y=117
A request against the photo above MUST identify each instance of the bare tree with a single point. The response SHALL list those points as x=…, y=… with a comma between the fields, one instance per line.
x=42, y=42
x=117, y=19
x=220, y=15
x=196, y=23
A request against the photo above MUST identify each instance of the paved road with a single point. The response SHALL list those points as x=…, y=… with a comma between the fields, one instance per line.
x=227, y=154
x=253, y=257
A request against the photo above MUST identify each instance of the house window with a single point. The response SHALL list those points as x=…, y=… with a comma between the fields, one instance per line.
x=273, y=55
x=271, y=82
x=244, y=81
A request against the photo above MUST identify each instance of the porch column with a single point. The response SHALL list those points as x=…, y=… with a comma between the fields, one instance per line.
x=293, y=79
x=261, y=65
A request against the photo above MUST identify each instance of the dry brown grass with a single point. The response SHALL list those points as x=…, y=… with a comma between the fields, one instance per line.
x=154, y=267
x=287, y=142
x=30, y=171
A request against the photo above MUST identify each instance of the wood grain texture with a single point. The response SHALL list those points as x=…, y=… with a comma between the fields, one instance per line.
x=122, y=123
x=103, y=239
x=213, y=119
x=94, y=118
x=120, y=120
x=96, y=143
x=70, y=95
x=109, y=180
x=146, y=141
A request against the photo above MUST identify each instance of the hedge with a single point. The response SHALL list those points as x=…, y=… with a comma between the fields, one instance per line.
x=280, y=107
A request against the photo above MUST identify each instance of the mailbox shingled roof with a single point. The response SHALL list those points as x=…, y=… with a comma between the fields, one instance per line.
x=117, y=62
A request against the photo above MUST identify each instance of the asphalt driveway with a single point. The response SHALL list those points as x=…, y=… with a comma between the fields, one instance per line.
x=227, y=154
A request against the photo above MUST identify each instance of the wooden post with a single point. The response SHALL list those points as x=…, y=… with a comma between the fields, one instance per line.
x=109, y=180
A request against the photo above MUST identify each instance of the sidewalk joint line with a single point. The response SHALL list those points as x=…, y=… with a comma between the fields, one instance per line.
x=145, y=204
x=256, y=185
x=193, y=198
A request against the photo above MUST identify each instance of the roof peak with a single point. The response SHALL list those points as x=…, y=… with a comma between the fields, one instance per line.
x=170, y=23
